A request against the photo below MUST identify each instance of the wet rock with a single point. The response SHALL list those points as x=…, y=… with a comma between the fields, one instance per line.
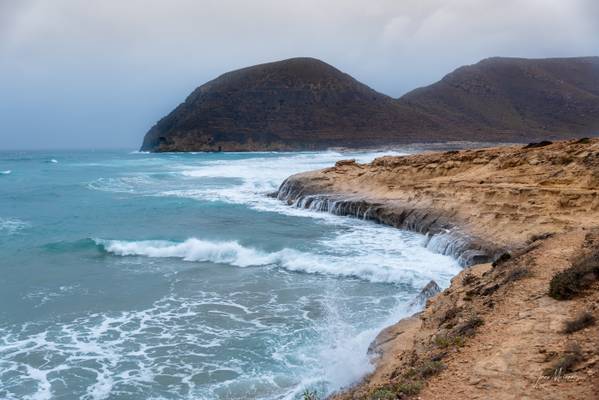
x=538, y=144
x=431, y=289
x=342, y=163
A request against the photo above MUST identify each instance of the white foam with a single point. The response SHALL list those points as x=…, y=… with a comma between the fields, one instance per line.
x=191, y=250
x=11, y=226
x=377, y=260
x=258, y=176
x=244, y=180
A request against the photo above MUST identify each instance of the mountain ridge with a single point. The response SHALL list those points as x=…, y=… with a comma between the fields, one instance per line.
x=306, y=104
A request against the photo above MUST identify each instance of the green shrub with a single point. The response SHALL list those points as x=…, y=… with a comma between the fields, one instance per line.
x=442, y=341
x=447, y=341
x=430, y=368
x=383, y=394
x=409, y=388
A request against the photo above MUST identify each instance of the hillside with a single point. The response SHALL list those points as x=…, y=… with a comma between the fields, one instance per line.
x=304, y=103
x=517, y=99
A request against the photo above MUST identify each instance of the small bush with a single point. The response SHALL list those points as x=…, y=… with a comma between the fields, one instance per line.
x=566, y=363
x=430, y=368
x=469, y=326
x=447, y=341
x=459, y=341
x=383, y=394
x=409, y=388
x=583, y=320
x=442, y=341
x=569, y=283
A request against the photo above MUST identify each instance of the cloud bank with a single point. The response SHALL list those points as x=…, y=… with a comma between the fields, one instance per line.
x=100, y=73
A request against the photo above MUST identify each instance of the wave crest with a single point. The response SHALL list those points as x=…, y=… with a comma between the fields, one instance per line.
x=191, y=250
x=369, y=267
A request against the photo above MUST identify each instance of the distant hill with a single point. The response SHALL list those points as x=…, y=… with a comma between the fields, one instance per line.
x=304, y=103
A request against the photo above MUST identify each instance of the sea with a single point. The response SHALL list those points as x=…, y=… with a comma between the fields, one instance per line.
x=127, y=275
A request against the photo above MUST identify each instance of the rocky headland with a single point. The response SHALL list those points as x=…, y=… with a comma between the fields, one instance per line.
x=307, y=104
x=520, y=321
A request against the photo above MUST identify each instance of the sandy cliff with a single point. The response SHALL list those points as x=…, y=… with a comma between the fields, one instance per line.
x=519, y=323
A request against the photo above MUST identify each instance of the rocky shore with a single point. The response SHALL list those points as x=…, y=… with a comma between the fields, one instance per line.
x=519, y=322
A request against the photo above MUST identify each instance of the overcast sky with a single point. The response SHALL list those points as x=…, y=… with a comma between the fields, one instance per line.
x=99, y=73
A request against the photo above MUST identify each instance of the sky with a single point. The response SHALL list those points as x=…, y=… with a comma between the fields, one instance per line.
x=99, y=73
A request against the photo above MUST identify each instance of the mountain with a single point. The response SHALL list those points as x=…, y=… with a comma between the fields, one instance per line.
x=304, y=103
x=516, y=99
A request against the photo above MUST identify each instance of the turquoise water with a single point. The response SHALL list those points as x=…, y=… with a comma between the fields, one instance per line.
x=173, y=276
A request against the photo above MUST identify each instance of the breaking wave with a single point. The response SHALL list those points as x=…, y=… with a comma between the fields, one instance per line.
x=415, y=269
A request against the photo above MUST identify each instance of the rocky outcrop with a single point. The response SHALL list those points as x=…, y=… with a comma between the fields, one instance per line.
x=489, y=200
x=443, y=236
x=495, y=332
x=304, y=103
x=430, y=290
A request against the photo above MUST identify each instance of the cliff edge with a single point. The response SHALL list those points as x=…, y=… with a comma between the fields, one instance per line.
x=520, y=322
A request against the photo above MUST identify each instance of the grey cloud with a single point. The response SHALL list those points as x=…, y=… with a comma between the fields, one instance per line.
x=90, y=50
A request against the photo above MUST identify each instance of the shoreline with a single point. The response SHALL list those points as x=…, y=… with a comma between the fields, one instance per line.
x=498, y=211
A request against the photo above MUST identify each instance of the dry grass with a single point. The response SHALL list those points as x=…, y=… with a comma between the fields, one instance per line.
x=573, y=281
x=565, y=364
x=582, y=320
x=468, y=327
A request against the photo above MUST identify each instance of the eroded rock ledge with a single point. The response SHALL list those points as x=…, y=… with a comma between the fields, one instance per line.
x=495, y=332
x=443, y=236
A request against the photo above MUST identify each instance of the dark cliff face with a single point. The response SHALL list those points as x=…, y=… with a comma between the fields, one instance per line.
x=304, y=103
